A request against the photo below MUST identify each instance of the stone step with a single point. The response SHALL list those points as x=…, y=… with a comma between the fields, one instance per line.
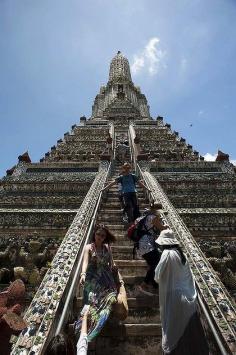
x=124, y=255
x=128, y=344
x=124, y=242
x=123, y=251
x=143, y=316
x=116, y=205
x=116, y=226
x=114, y=217
x=115, y=187
x=114, y=192
x=132, y=330
x=141, y=302
x=132, y=267
x=123, y=237
x=118, y=210
x=122, y=248
x=130, y=263
x=132, y=280
x=114, y=197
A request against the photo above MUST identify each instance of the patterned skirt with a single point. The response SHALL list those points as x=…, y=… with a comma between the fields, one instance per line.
x=100, y=293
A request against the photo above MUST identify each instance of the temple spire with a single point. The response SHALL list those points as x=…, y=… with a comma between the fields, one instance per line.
x=119, y=69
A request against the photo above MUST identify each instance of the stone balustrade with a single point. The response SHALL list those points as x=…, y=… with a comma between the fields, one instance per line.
x=219, y=304
x=42, y=313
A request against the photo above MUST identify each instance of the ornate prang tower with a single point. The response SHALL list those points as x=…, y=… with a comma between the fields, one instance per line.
x=48, y=209
x=120, y=101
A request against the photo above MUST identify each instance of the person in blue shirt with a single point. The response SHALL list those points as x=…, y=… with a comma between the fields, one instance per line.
x=128, y=183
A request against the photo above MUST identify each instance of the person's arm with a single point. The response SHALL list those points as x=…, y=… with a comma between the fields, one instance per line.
x=116, y=181
x=82, y=345
x=85, y=264
x=143, y=185
x=109, y=185
x=84, y=322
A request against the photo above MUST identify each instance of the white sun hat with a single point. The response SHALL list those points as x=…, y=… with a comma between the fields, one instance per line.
x=167, y=237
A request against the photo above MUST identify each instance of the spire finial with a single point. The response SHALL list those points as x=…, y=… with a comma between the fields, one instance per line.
x=119, y=68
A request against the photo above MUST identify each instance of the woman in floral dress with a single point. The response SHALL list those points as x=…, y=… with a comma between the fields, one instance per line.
x=100, y=289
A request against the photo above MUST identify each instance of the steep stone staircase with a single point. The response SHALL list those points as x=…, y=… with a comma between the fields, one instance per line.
x=140, y=333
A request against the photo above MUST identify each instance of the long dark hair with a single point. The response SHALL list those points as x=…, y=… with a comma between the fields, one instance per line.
x=60, y=345
x=110, y=238
x=179, y=249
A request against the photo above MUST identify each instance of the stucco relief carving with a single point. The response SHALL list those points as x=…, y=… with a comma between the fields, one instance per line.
x=57, y=277
x=207, y=280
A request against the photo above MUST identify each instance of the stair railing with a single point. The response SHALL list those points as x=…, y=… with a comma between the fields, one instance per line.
x=133, y=151
x=112, y=133
x=50, y=307
x=218, y=304
x=214, y=301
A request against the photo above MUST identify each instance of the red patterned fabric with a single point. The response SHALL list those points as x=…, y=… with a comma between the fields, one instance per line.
x=10, y=305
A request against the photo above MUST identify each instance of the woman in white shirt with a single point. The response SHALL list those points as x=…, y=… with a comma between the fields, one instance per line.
x=182, y=333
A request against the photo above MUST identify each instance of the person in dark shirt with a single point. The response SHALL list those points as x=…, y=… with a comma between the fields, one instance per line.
x=128, y=183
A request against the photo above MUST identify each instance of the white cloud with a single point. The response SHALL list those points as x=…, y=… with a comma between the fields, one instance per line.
x=210, y=157
x=138, y=64
x=150, y=58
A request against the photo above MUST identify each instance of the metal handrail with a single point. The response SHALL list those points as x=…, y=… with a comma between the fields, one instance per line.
x=201, y=303
x=112, y=132
x=76, y=274
x=133, y=157
x=211, y=325
x=131, y=148
x=52, y=325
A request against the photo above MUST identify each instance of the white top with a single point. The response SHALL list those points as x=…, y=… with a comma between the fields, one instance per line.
x=147, y=241
x=82, y=345
x=177, y=297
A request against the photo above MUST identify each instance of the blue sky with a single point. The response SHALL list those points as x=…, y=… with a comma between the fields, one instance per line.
x=55, y=55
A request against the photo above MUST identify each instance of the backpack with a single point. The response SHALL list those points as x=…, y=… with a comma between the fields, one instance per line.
x=136, y=231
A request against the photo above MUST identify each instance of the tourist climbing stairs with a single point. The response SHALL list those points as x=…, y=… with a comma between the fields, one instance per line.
x=140, y=333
